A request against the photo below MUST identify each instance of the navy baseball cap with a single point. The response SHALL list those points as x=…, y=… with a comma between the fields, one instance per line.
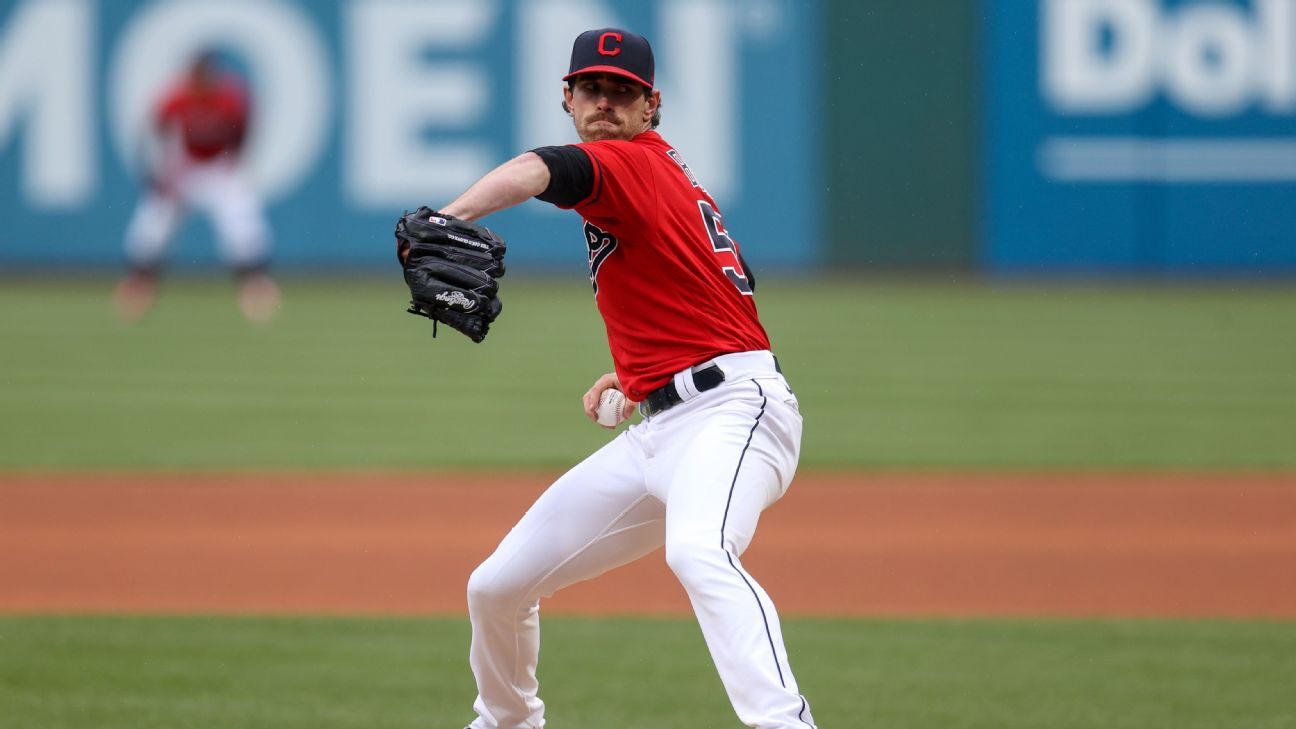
x=615, y=51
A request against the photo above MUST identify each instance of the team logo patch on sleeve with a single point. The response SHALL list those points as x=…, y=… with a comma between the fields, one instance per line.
x=601, y=244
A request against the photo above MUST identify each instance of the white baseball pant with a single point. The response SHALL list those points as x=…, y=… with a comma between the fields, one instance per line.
x=694, y=478
x=217, y=189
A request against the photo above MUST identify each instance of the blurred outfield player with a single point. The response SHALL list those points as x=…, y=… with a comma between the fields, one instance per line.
x=721, y=432
x=194, y=150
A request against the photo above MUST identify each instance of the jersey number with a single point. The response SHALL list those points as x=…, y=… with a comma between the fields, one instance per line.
x=722, y=243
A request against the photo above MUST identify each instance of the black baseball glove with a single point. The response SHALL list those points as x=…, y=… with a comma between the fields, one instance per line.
x=450, y=268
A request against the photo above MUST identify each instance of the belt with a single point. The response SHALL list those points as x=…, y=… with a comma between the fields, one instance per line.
x=667, y=396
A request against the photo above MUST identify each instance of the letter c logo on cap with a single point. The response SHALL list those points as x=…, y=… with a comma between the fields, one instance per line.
x=602, y=46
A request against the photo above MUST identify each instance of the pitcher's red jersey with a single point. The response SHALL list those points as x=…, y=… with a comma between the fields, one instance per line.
x=667, y=277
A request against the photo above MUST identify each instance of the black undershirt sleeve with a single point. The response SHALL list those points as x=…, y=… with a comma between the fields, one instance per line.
x=571, y=175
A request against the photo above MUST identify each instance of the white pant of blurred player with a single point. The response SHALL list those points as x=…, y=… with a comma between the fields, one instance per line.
x=218, y=190
x=694, y=478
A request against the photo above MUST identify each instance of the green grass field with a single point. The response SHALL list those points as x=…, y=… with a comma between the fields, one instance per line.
x=890, y=376
x=176, y=673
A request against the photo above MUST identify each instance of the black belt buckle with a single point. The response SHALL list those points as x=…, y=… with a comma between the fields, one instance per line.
x=666, y=397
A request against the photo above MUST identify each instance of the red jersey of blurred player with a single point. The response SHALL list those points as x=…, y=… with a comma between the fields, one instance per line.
x=200, y=126
x=209, y=111
x=699, y=303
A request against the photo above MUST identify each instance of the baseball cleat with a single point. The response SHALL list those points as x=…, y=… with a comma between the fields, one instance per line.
x=134, y=296
x=258, y=299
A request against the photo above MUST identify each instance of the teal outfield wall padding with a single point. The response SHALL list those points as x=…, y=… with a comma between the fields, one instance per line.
x=898, y=105
x=1155, y=138
x=366, y=108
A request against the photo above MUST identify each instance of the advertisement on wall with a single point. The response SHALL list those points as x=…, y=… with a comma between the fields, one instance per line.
x=361, y=109
x=1141, y=136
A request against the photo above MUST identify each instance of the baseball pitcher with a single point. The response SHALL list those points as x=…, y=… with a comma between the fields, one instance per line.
x=721, y=431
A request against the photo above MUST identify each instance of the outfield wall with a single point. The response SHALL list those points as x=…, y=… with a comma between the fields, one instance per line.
x=901, y=122
x=1140, y=136
x=1038, y=137
x=365, y=108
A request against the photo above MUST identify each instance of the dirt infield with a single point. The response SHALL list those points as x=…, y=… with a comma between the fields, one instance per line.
x=1095, y=545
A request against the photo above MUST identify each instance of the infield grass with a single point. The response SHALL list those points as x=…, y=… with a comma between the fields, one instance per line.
x=318, y=673
x=889, y=375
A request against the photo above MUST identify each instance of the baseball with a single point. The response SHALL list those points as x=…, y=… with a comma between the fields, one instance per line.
x=609, y=409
